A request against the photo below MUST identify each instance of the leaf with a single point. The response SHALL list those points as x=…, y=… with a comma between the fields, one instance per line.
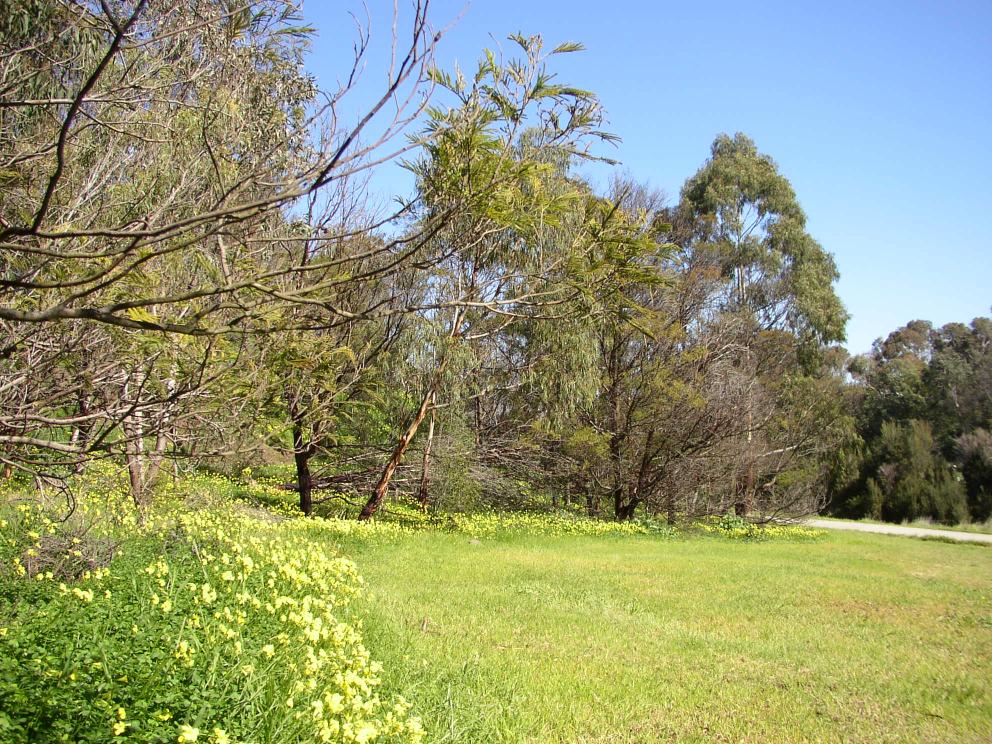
x=141, y=315
x=521, y=40
x=568, y=47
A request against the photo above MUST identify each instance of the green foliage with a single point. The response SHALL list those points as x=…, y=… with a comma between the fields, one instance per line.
x=923, y=405
x=975, y=456
x=752, y=218
x=911, y=479
x=205, y=622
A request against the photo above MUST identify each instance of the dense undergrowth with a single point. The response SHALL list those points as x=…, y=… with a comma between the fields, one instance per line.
x=210, y=619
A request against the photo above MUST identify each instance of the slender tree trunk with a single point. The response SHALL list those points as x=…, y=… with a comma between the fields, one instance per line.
x=740, y=505
x=625, y=510
x=154, y=460
x=382, y=486
x=478, y=422
x=746, y=484
x=745, y=492
x=618, y=479
x=591, y=496
x=379, y=493
x=81, y=433
x=302, y=451
x=134, y=453
x=618, y=502
x=143, y=466
x=425, y=472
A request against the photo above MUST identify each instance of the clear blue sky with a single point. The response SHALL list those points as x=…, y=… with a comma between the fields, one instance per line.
x=880, y=114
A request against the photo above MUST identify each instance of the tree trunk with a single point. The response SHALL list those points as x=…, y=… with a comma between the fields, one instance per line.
x=670, y=506
x=301, y=456
x=745, y=492
x=618, y=504
x=478, y=422
x=635, y=491
x=617, y=460
x=740, y=506
x=627, y=510
x=81, y=434
x=143, y=465
x=379, y=493
x=423, y=494
x=592, y=500
x=382, y=486
x=134, y=450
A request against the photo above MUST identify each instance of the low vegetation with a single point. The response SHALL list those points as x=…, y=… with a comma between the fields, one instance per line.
x=201, y=623
x=850, y=637
x=214, y=620
x=208, y=619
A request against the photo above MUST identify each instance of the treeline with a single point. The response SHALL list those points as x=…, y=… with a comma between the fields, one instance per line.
x=921, y=447
x=194, y=274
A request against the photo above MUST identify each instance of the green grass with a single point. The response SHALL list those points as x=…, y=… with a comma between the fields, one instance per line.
x=854, y=637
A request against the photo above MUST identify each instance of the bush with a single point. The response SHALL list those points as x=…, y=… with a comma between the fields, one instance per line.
x=975, y=456
x=912, y=480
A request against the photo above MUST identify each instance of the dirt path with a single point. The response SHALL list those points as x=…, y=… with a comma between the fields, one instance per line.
x=895, y=529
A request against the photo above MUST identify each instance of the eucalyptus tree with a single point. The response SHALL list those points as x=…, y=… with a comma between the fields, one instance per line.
x=748, y=214
x=777, y=278
x=664, y=369
x=714, y=392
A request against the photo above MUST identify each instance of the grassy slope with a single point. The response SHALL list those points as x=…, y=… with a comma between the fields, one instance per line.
x=585, y=639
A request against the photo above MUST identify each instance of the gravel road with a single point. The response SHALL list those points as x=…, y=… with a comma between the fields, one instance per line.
x=895, y=529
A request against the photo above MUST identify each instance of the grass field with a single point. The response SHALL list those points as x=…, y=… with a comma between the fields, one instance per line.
x=636, y=639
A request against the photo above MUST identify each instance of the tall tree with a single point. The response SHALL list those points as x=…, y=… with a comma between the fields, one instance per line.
x=747, y=212
x=777, y=277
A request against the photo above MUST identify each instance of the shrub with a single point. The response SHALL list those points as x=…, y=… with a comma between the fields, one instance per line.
x=913, y=480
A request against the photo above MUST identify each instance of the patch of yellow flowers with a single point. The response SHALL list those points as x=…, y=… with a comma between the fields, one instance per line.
x=763, y=532
x=263, y=606
x=269, y=602
x=488, y=524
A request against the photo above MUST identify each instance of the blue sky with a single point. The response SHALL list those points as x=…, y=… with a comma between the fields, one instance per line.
x=880, y=115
